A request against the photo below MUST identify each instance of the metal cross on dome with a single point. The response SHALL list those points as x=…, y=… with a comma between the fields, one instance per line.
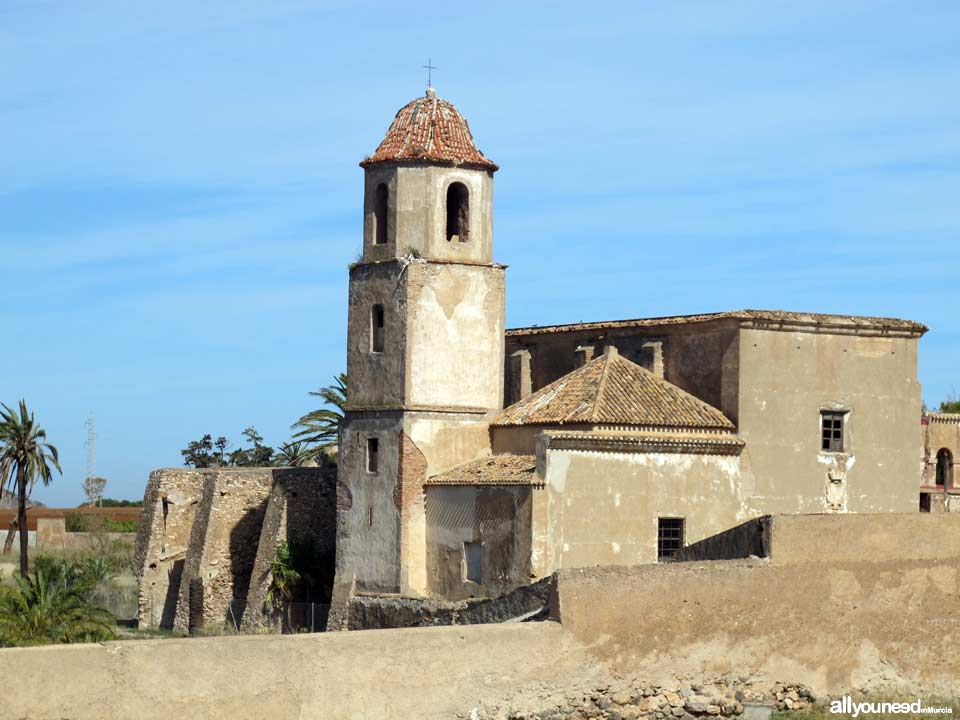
x=429, y=68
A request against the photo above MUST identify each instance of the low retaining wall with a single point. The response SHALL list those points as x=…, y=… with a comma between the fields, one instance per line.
x=422, y=673
x=831, y=626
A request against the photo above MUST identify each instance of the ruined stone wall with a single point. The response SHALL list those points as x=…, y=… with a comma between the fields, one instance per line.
x=377, y=612
x=301, y=508
x=787, y=378
x=169, y=508
x=223, y=547
x=498, y=518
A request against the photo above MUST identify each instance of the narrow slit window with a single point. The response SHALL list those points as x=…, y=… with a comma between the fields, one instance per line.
x=376, y=328
x=670, y=537
x=373, y=454
x=380, y=197
x=831, y=431
x=458, y=213
x=473, y=562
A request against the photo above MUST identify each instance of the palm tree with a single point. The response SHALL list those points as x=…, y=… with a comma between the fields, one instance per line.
x=25, y=457
x=320, y=427
x=52, y=604
x=293, y=454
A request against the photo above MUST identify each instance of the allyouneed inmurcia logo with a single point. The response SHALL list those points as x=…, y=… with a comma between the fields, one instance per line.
x=847, y=706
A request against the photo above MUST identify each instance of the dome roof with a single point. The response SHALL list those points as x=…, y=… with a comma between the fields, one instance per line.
x=430, y=130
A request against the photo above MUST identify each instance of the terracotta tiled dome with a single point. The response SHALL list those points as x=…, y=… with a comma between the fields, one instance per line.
x=429, y=129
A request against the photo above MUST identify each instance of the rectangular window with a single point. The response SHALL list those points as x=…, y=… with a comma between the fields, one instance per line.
x=376, y=328
x=473, y=561
x=831, y=431
x=373, y=454
x=669, y=537
x=924, y=502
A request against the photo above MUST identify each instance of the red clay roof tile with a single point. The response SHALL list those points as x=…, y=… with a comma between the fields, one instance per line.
x=430, y=130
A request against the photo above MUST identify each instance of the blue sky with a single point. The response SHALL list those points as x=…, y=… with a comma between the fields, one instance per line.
x=180, y=196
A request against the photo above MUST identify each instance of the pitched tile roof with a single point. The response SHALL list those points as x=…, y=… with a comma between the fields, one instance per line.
x=429, y=129
x=769, y=319
x=611, y=390
x=504, y=469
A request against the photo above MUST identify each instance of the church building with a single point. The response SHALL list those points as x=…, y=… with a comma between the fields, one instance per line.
x=474, y=458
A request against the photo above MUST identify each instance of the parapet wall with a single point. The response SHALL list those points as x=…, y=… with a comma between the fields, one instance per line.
x=844, y=601
x=826, y=538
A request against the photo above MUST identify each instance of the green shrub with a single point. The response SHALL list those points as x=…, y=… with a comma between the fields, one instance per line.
x=52, y=604
x=76, y=522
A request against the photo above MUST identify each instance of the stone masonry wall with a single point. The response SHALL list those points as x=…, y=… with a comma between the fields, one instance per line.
x=169, y=507
x=301, y=508
x=223, y=546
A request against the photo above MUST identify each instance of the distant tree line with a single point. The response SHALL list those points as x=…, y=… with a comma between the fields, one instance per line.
x=316, y=434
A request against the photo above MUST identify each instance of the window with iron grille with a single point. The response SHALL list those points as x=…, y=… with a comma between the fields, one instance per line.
x=831, y=430
x=669, y=537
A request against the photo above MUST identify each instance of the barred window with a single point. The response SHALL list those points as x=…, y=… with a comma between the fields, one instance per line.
x=670, y=535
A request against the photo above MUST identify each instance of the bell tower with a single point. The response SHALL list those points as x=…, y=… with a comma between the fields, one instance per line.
x=425, y=340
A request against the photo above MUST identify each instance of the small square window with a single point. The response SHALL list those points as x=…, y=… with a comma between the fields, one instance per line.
x=831, y=430
x=473, y=562
x=670, y=534
x=373, y=454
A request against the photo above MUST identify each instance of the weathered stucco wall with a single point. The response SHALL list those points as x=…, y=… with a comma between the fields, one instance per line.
x=416, y=213
x=429, y=395
x=787, y=378
x=455, y=327
x=223, y=547
x=829, y=538
x=601, y=508
x=169, y=508
x=368, y=522
x=800, y=539
x=424, y=673
x=496, y=517
x=816, y=615
x=376, y=378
